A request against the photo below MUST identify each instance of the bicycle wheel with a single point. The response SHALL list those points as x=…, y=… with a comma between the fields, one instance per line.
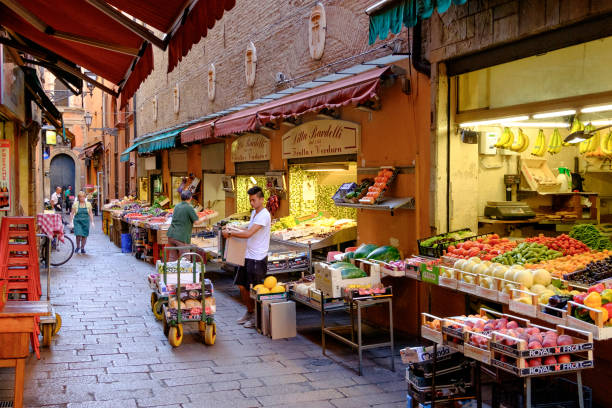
x=61, y=252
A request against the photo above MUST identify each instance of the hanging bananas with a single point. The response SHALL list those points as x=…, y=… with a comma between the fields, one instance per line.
x=505, y=140
x=540, y=145
x=576, y=126
x=554, y=146
x=606, y=144
x=522, y=142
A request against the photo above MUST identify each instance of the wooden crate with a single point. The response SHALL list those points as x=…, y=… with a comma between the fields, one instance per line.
x=14, y=345
x=162, y=237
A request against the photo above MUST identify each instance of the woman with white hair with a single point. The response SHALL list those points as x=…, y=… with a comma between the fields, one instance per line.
x=81, y=217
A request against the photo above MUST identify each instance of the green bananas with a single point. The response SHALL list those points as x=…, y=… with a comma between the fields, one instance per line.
x=540, y=146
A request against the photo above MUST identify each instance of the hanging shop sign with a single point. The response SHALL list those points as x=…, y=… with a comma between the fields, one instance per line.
x=326, y=137
x=251, y=147
x=5, y=175
x=51, y=137
x=12, y=94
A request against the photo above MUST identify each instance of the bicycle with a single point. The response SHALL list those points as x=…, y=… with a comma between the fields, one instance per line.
x=59, y=252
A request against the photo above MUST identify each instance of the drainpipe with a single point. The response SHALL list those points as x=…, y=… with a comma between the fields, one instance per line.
x=418, y=60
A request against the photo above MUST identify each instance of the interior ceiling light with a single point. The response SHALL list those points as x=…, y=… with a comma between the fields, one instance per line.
x=581, y=136
x=601, y=122
x=558, y=114
x=537, y=124
x=252, y=179
x=494, y=121
x=600, y=108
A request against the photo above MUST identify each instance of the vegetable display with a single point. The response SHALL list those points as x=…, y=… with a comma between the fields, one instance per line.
x=364, y=250
x=527, y=253
x=485, y=248
x=449, y=237
x=563, y=243
x=384, y=253
x=593, y=272
x=591, y=236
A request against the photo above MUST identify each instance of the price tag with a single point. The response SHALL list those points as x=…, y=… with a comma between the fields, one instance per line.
x=430, y=276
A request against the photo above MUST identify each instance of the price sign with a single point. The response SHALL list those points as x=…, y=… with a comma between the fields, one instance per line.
x=430, y=276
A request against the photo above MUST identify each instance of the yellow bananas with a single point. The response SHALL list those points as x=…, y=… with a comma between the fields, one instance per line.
x=506, y=140
x=606, y=144
x=540, y=146
x=589, y=145
x=521, y=143
x=554, y=146
x=576, y=126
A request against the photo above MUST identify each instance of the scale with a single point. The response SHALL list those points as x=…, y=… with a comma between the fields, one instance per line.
x=508, y=210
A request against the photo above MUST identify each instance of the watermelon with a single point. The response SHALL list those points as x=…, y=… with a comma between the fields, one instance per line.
x=364, y=250
x=347, y=256
x=341, y=265
x=352, y=273
x=384, y=253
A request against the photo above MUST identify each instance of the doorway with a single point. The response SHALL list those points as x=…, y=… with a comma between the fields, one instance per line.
x=61, y=172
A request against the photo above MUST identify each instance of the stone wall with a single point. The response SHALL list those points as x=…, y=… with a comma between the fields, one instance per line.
x=279, y=31
x=480, y=24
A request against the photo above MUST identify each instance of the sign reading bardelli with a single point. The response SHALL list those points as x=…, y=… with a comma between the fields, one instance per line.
x=326, y=137
x=251, y=147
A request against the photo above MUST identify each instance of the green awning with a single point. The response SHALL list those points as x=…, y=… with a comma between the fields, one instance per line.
x=165, y=140
x=125, y=156
x=404, y=13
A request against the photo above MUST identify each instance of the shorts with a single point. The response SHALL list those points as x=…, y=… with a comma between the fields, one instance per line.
x=252, y=273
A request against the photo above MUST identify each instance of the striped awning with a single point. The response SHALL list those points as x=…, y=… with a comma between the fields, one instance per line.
x=161, y=141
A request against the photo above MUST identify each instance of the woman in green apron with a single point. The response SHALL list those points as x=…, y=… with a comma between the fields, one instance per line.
x=82, y=216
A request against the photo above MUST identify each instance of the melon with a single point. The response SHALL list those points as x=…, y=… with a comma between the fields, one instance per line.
x=480, y=269
x=263, y=291
x=277, y=289
x=459, y=264
x=270, y=282
x=475, y=259
x=469, y=265
x=509, y=275
x=508, y=288
x=541, y=277
x=499, y=271
x=538, y=289
x=487, y=283
x=524, y=277
x=257, y=287
x=488, y=263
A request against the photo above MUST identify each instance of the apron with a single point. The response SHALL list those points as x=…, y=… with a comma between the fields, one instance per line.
x=81, y=222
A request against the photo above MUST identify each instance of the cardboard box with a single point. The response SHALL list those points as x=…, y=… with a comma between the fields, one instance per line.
x=235, y=250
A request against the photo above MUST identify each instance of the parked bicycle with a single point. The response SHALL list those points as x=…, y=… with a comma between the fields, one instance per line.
x=60, y=251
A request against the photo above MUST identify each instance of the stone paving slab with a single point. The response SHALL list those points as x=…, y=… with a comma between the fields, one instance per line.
x=111, y=352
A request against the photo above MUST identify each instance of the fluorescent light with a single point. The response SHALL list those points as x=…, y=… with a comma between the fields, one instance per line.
x=601, y=122
x=537, y=124
x=494, y=121
x=558, y=114
x=253, y=180
x=600, y=108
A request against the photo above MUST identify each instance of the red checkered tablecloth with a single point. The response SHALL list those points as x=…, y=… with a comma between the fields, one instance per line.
x=51, y=225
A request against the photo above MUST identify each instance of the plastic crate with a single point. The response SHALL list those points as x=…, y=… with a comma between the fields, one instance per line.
x=438, y=251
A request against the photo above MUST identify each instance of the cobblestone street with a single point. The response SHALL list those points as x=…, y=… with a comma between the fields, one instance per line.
x=111, y=352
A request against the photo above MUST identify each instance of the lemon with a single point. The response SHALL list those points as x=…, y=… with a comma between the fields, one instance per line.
x=263, y=291
x=270, y=282
x=277, y=289
x=257, y=287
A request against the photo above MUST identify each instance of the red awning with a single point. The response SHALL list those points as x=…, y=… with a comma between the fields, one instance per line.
x=198, y=132
x=350, y=91
x=89, y=151
x=201, y=19
x=117, y=48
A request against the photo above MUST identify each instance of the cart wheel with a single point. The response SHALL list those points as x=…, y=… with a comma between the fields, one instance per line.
x=47, y=332
x=158, y=310
x=210, y=334
x=175, y=335
x=153, y=299
x=166, y=326
x=58, y=324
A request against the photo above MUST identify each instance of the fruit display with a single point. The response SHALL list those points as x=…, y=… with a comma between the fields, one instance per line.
x=359, y=192
x=312, y=230
x=284, y=223
x=435, y=246
x=563, y=243
x=540, y=146
x=364, y=250
x=385, y=253
x=606, y=144
x=521, y=143
x=486, y=248
x=591, y=236
x=506, y=139
x=273, y=204
x=555, y=143
x=526, y=253
x=593, y=272
x=571, y=263
x=383, y=180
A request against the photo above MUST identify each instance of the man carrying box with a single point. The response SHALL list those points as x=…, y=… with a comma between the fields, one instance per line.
x=256, y=255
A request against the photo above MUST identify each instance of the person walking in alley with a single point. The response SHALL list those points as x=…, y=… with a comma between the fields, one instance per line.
x=56, y=199
x=68, y=198
x=256, y=257
x=184, y=218
x=81, y=218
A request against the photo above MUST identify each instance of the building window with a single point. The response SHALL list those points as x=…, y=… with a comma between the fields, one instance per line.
x=61, y=94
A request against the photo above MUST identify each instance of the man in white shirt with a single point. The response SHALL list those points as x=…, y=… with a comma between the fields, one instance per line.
x=56, y=199
x=256, y=257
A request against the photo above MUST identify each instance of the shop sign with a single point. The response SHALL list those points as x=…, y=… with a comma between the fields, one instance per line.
x=251, y=147
x=11, y=85
x=51, y=137
x=5, y=175
x=322, y=138
x=430, y=276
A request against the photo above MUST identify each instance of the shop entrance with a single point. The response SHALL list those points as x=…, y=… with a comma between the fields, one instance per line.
x=61, y=171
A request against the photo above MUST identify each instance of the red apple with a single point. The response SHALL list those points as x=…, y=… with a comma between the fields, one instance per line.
x=534, y=345
x=536, y=337
x=550, y=360
x=564, y=340
x=535, y=362
x=565, y=358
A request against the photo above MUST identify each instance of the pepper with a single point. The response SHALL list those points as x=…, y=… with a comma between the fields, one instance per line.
x=606, y=296
x=580, y=298
x=593, y=300
x=596, y=288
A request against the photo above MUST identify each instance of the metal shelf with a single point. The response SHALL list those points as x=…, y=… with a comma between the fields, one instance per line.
x=388, y=204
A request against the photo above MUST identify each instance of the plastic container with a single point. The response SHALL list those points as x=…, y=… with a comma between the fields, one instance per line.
x=126, y=243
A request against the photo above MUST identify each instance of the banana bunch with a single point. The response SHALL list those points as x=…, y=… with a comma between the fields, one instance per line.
x=554, y=146
x=606, y=144
x=576, y=126
x=589, y=145
x=521, y=143
x=540, y=146
x=506, y=140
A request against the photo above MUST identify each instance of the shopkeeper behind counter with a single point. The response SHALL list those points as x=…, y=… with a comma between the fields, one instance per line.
x=184, y=218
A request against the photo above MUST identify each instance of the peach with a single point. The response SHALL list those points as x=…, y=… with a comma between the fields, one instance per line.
x=535, y=362
x=549, y=342
x=512, y=325
x=550, y=360
x=564, y=340
x=536, y=337
x=533, y=330
x=524, y=336
x=565, y=358
x=534, y=345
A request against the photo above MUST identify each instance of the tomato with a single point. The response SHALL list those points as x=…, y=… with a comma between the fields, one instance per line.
x=450, y=248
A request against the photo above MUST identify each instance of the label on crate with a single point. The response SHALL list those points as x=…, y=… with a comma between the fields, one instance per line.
x=505, y=349
x=548, y=351
x=448, y=282
x=555, y=368
x=432, y=276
